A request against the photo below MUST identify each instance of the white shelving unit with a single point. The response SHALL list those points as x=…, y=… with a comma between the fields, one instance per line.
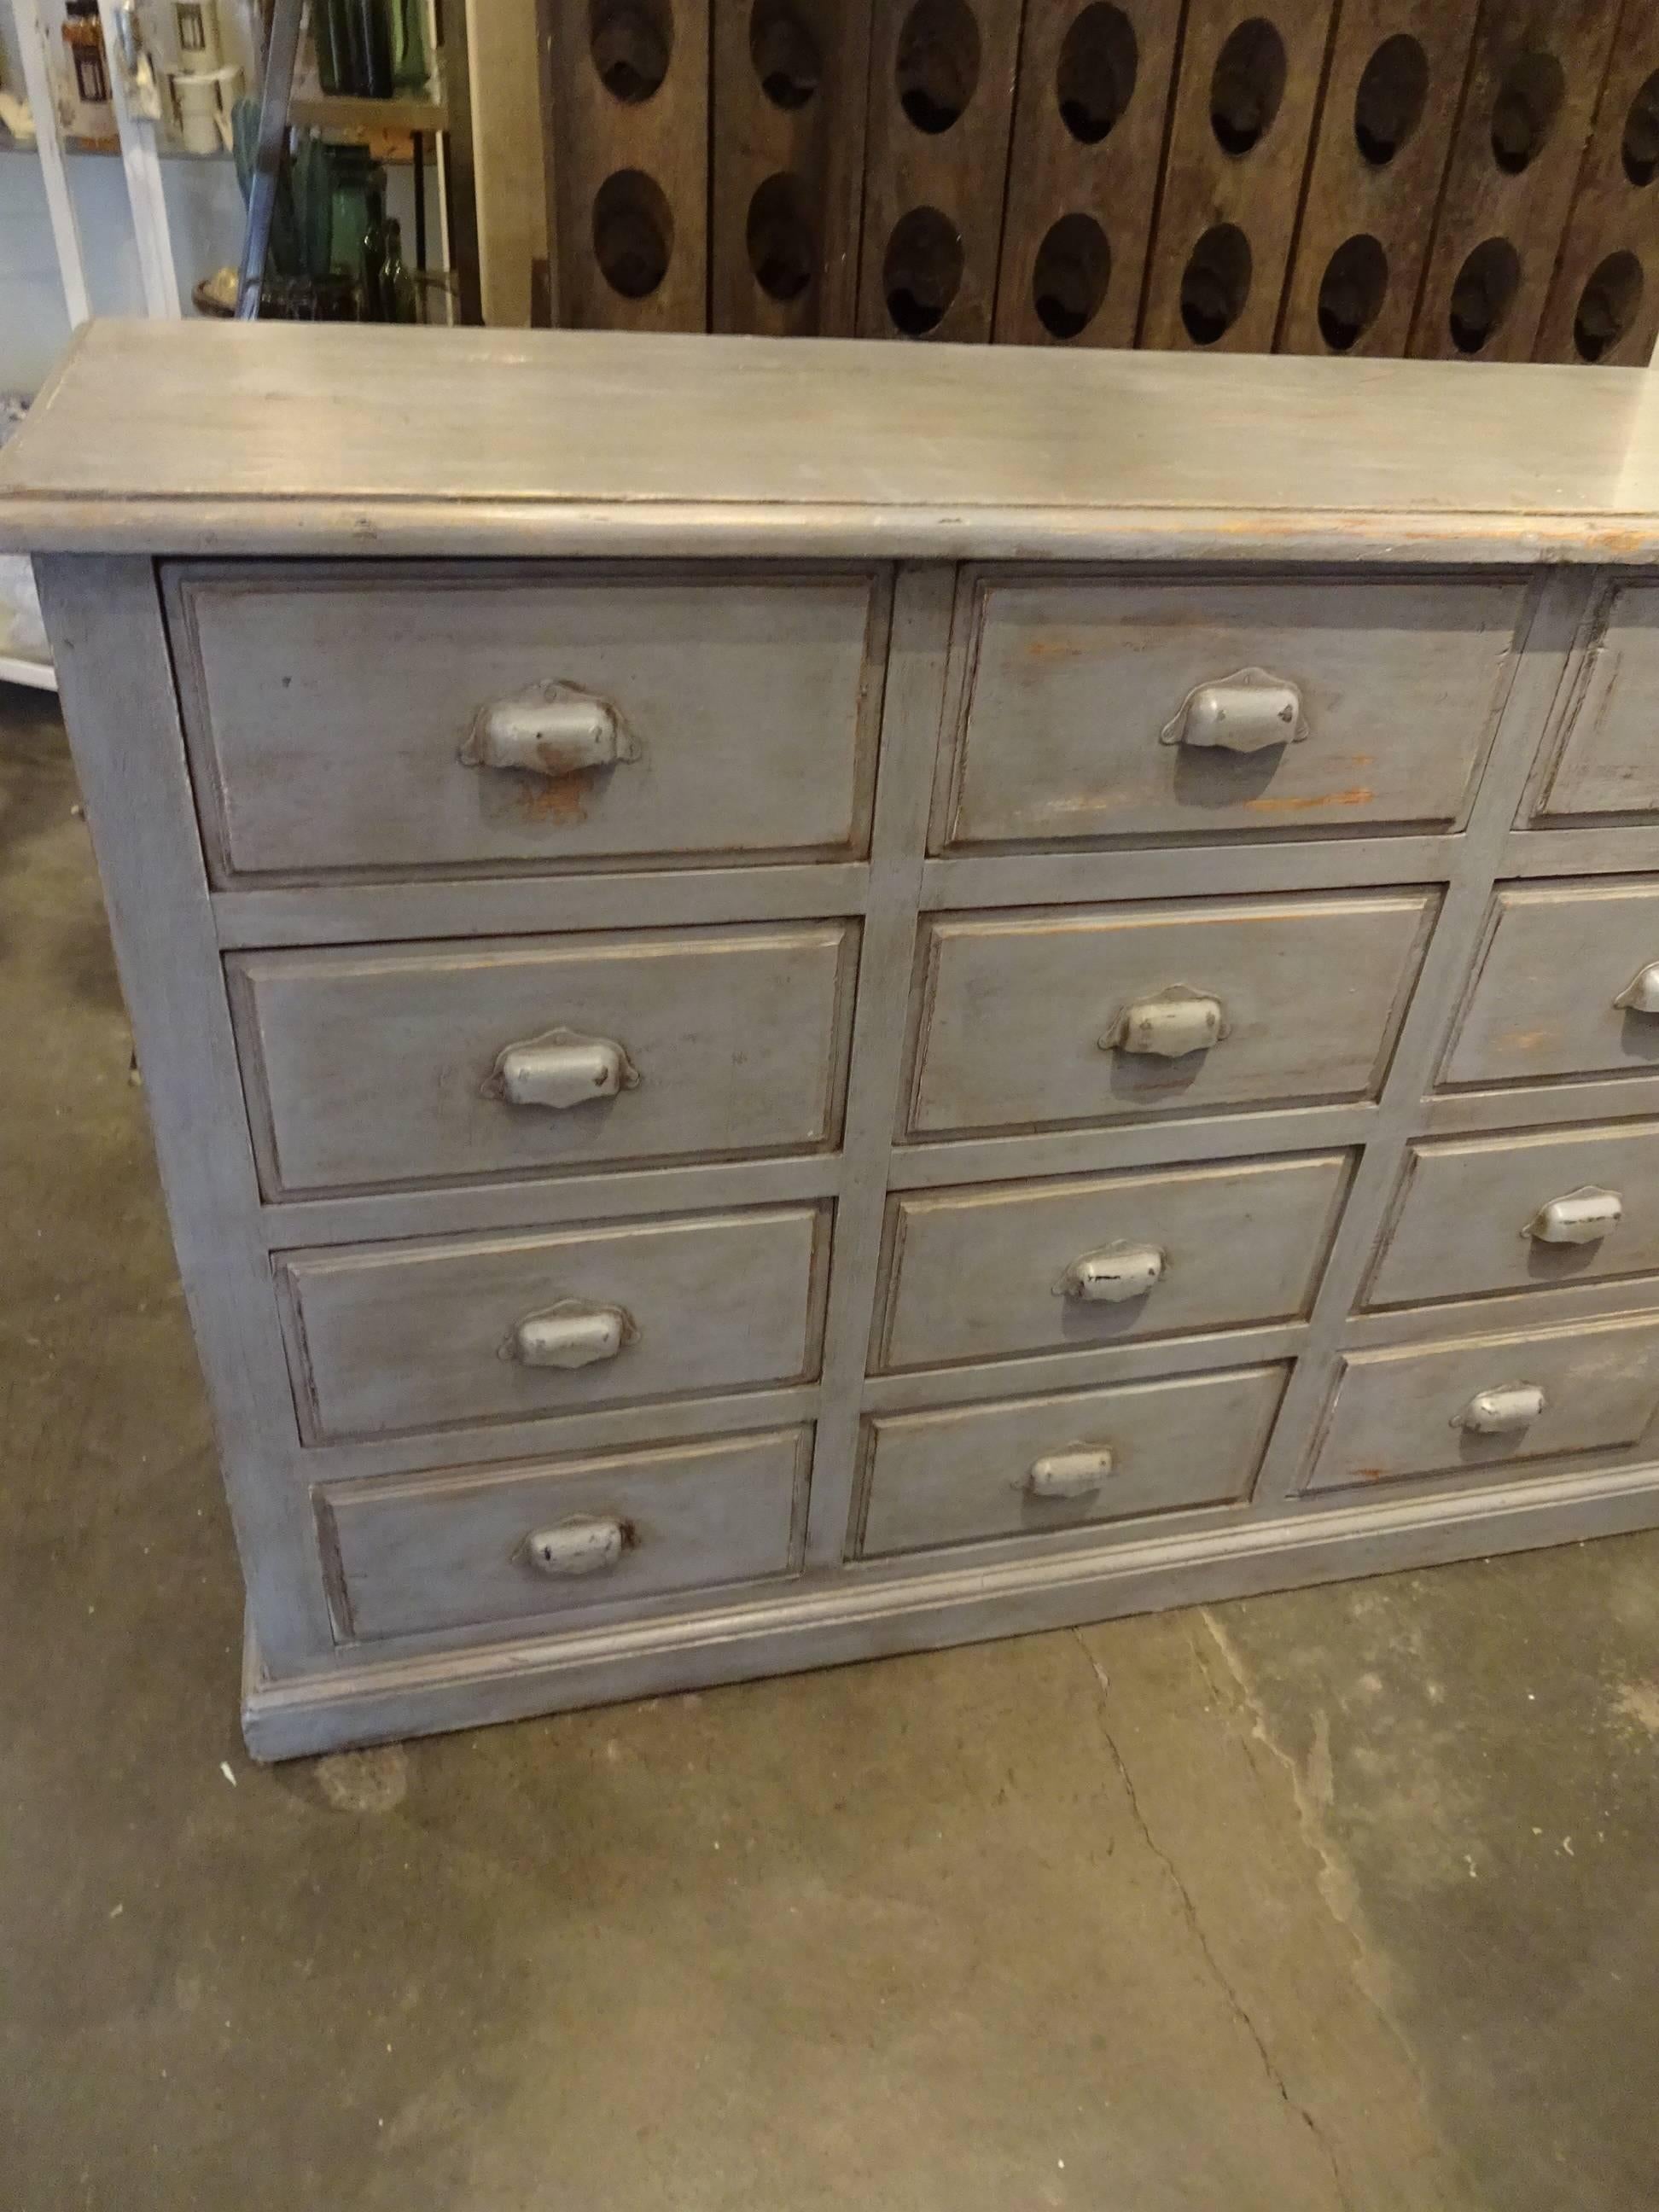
x=127, y=60
x=37, y=675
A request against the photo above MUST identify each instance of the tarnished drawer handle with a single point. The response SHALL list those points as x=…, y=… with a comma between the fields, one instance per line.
x=575, y=1333
x=1499, y=1412
x=1070, y=1473
x=577, y=1546
x=1243, y=713
x=559, y=1069
x=1582, y=1217
x=1641, y=994
x=1111, y=1277
x=1177, y=1021
x=552, y=729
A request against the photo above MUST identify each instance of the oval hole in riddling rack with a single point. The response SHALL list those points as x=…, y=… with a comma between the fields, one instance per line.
x=632, y=234
x=921, y=271
x=1607, y=306
x=632, y=43
x=1095, y=78
x=1387, y=106
x=1481, y=296
x=780, y=239
x=1215, y=283
x=1069, y=278
x=936, y=68
x=1246, y=86
x=1523, y=115
x=1639, y=148
x=1352, y=291
x=785, y=53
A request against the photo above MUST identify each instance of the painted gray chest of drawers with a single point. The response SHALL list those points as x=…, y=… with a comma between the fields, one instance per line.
x=802, y=1001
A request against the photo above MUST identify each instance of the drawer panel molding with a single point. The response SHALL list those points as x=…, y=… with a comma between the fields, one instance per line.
x=1549, y=1208
x=423, y=1336
x=1489, y=1402
x=1566, y=985
x=1605, y=763
x=1036, y=1466
x=1015, y=1269
x=453, y=1062
x=1037, y=1021
x=467, y=1548
x=369, y=720
x=1102, y=710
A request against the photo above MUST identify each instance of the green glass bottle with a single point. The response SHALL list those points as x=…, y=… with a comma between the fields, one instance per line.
x=410, y=68
x=332, y=35
x=371, y=48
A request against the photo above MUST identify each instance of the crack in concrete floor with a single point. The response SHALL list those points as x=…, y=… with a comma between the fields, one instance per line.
x=1189, y=1911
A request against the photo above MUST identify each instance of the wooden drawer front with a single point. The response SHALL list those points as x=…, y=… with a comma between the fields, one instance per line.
x=1009, y=1268
x=401, y=1337
x=1511, y=1214
x=1608, y=763
x=1019, y=1011
x=1075, y=726
x=380, y=1066
x=327, y=716
x=461, y=1550
x=1541, y=1002
x=977, y=1471
x=1417, y=1412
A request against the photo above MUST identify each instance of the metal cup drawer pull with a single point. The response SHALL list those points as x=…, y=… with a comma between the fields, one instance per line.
x=559, y=1069
x=1579, y=1216
x=575, y=1333
x=1641, y=994
x=1114, y=1275
x=552, y=730
x=1243, y=713
x=1077, y=1473
x=1501, y=1412
x=587, y=1545
x=1179, y=1020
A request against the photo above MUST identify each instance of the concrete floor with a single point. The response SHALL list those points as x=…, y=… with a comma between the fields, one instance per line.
x=1342, y=1900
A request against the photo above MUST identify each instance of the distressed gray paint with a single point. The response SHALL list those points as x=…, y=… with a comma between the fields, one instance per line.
x=979, y=1274
x=374, y=1067
x=948, y=1477
x=1338, y=1012
x=1074, y=724
x=416, y=1336
x=1013, y=1011
x=1463, y=1219
x=446, y=1551
x=1401, y=1412
x=330, y=716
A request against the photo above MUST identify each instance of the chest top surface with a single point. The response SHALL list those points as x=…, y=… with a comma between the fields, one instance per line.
x=172, y=438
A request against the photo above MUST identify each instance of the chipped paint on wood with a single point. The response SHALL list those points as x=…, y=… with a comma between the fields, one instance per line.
x=1361, y=795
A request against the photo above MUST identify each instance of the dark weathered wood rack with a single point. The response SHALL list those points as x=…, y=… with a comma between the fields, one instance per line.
x=1448, y=179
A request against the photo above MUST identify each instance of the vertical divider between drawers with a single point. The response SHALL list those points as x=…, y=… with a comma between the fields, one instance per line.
x=1556, y=615
x=910, y=735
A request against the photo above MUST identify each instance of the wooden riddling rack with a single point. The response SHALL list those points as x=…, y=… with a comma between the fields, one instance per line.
x=1444, y=179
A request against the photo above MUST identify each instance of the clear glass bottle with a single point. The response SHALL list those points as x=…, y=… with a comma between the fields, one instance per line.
x=373, y=258
x=399, y=303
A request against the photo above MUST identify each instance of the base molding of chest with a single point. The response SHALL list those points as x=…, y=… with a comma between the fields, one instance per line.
x=844, y=1616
